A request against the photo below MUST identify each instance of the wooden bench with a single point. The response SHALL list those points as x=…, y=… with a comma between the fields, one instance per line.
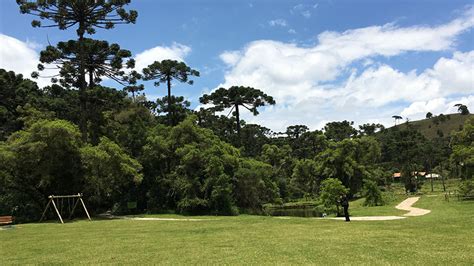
x=4, y=220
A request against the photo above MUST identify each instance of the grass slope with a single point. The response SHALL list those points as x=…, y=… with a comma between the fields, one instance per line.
x=430, y=129
x=442, y=237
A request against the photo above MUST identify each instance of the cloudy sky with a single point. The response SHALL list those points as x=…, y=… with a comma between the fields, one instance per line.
x=322, y=61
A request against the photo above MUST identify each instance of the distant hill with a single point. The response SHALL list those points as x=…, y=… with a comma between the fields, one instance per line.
x=443, y=124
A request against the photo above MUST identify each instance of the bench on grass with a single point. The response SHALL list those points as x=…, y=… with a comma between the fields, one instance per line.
x=4, y=220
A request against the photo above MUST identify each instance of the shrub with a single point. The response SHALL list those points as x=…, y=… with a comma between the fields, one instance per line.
x=372, y=194
x=466, y=188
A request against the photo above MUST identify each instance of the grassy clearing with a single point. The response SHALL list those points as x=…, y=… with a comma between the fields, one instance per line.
x=442, y=237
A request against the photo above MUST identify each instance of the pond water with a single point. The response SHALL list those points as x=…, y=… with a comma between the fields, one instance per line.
x=303, y=210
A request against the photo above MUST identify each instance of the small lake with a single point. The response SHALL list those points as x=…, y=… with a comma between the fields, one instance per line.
x=304, y=210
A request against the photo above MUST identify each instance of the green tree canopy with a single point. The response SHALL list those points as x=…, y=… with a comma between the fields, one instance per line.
x=101, y=60
x=166, y=71
x=338, y=131
x=236, y=96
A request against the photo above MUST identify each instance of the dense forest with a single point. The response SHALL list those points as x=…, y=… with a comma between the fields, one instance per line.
x=116, y=146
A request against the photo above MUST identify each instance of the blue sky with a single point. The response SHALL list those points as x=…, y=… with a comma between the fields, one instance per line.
x=322, y=60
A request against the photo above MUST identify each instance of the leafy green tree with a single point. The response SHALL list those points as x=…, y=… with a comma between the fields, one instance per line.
x=133, y=87
x=178, y=110
x=305, y=181
x=429, y=115
x=466, y=188
x=370, y=129
x=253, y=137
x=351, y=161
x=196, y=167
x=42, y=160
x=15, y=92
x=294, y=132
x=128, y=126
x=109, y=173
x=254, y=185
x=372, y=194
x=338, y=131
x=166, y=71
x=221, y=125
x=462, y=109
x=462, y=156
x=236, y=96
x=331, y=192
x=282, y=165
x=309, y=144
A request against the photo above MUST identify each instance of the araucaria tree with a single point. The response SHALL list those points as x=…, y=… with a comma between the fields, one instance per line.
x=102, y=60
x=85, y=16
x=165, y=71
x=397, y=117
x=236, y=96
x=462, y=109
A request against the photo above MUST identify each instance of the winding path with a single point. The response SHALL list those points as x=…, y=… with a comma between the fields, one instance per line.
x=406, y=205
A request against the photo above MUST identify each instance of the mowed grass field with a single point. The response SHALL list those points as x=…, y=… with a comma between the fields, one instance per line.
x=445, y=236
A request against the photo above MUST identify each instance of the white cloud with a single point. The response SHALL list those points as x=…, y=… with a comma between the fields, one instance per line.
x=291, y=31
x=306, y=81
x=383, y=85
x=230, y=57
x=176, y=51
x=436, y=106
x=278, y=22
x=20, y=57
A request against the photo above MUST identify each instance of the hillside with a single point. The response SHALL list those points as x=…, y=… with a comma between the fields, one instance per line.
x=443, y=124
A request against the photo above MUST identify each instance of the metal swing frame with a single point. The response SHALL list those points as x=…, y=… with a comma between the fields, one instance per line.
x=52, y=199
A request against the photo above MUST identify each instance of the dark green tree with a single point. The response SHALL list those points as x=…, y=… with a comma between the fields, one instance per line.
x=101, y=60
x=396, y=117
x=166, y=71
x=370, y=129
x=253, y=138
x=338, y=131
x=236, y=96
x=294, y=132
x=429, y=115
x=178, y=110
x=462, y=109
x=15, y=92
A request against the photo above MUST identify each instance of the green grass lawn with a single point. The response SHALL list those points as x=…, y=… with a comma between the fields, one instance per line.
x=445, y=236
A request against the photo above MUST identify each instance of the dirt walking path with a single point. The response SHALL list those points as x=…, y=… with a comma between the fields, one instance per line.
x=406, y=205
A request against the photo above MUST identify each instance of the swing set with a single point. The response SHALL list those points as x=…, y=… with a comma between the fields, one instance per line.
x=58, y=205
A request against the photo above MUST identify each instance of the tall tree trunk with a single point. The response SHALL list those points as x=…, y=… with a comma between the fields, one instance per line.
x=91, y=79
x=431, y=177
x=237, y=116
x=170, y=112
x=82, y=84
